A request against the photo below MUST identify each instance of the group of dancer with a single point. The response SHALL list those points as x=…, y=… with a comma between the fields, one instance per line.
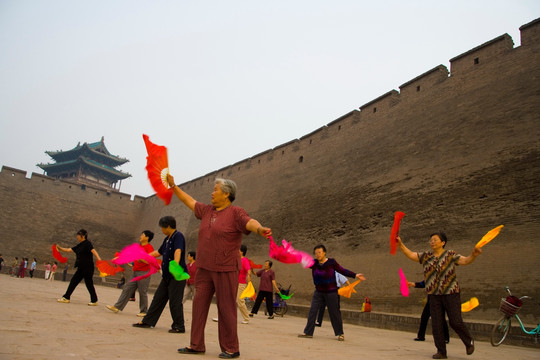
x=219, y=261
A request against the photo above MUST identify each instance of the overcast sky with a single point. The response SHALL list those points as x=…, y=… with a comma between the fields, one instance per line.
x=214, y=81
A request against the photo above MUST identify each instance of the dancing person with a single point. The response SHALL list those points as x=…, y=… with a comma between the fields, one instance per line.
x=340, y=281
x=85, y=267
x=326, y=292
x=424, y=318
x=268, y=281
x=169, y=289
x=443, y=289
x=189, y=293
x=140, y=268
x=244, y=277
x=218, y=263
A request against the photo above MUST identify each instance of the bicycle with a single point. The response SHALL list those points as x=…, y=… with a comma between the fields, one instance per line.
x=510, y=307
x=280, y=305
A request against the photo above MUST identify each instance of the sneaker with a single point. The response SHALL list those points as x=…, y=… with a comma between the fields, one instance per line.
x=318, y=324
x=305, y=336
x=245, y=321
x=215, y=319
x=92, y=303
x=419, y=339
x=63, y=300
x=112, y=308
x=141, y=314
x=250, y=315
x=271, y=317
x=341, y=337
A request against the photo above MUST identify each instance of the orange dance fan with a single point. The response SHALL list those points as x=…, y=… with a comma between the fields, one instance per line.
x=346, y=291
x=57, y=255
x=157, y=166
x=490, y=235
x=106, y=269
x=254, y=266
x=469, y=305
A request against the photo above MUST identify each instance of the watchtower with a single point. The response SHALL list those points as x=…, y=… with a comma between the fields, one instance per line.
x=87, y=164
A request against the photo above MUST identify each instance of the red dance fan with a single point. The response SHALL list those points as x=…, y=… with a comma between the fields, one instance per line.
x=57, y=255
x=395, y=231
x=106, y=269
x=254, y=266
x=157, y=166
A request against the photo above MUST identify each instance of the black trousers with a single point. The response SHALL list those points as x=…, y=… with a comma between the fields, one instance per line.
x=267, y=295
x=331, y=300
x=452, y=305
x=426, y=314
x=172, y=291
x=87, y=275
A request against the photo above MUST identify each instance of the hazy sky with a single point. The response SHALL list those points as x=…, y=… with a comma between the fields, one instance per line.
x=214, y=81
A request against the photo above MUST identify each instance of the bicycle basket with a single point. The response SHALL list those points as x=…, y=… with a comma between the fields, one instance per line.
x=510, y=306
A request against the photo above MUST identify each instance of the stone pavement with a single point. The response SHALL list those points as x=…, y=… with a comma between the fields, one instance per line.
x=35, y=326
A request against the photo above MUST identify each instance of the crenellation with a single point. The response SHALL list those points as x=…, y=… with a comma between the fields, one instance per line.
x=530, y=33
x=422, y=83
x=479, y=55
x=382, y=103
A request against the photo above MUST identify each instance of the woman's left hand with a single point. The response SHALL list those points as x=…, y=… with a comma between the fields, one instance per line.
x=361, y=277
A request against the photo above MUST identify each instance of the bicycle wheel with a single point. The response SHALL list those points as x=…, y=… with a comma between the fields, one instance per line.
x=280, y=310
x=500, y=330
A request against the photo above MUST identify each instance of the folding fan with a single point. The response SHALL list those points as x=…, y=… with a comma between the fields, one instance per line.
x=404, y=288
x=177, y=271
x=136, y=252
x=490, y=235
x=106, y=269
x=469, y=305
x=248, y=292
x=346, y=291
x=395, y=231
x=57, y=255
x=288, y=255
x=254, y=266
x=157, y=166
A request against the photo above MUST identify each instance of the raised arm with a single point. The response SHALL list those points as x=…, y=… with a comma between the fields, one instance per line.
x=408, y=253
x=184, y=197
x=469, y=259
x=256, y=227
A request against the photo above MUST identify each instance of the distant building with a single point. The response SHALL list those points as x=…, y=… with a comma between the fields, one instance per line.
x=90, y=164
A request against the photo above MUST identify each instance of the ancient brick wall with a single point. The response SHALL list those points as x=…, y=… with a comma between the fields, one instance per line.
x=456, y=150
x=39, y=211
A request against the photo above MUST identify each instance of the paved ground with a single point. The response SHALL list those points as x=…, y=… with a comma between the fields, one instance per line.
x=35, y=326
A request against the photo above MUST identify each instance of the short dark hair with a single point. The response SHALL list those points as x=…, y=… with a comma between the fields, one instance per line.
x=269, y=263
x=148, y=234
x=243, y=249
x=193, y=254
x=167, y=221
x=320, y=246
x=83, y=233
x=441, y=236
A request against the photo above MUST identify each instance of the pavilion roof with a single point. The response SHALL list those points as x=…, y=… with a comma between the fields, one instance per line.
x=96, y=151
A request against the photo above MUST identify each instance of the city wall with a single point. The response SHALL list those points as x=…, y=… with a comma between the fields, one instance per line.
x=456, y=150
